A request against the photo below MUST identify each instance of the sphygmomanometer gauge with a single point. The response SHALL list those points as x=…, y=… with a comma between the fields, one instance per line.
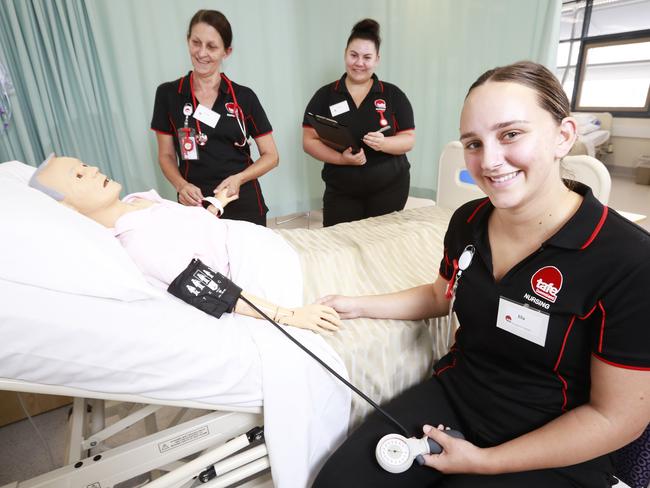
x=393, y=453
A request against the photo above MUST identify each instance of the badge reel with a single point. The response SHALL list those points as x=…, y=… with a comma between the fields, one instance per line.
x=395, y=453
x=464, y=261
x=186, y=136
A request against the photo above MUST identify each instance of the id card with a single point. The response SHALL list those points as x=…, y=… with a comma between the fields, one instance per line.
x=207, y=116
x=339, y=108
x=187, y=144
x=522, y=321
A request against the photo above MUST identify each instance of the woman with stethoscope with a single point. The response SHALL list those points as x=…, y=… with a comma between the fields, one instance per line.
x=375, y=180
x=204, y=124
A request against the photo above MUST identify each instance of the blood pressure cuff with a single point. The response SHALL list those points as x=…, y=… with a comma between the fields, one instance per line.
x=205, y=289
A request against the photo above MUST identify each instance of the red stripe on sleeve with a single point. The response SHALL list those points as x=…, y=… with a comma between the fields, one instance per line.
x=618, y=365
x=602, y=326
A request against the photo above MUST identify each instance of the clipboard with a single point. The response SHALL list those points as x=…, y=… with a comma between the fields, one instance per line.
x=330, y=132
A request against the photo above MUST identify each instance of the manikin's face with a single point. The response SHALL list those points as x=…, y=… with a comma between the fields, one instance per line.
x=512, y=145
x=361, y=60
x=206, y=49
x=84, y=187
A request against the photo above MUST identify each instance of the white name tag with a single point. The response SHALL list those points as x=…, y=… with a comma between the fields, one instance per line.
x=207, y=116
x=339, y=108
x=524, y=322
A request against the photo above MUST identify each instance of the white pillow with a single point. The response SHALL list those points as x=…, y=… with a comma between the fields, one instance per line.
x=16, y=171
x=45, y=244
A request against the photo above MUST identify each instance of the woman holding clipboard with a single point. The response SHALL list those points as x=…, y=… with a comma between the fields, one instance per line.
x=375, y=179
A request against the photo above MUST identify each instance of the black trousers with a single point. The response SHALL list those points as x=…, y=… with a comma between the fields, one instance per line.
x=355, y=193
x=354, y=463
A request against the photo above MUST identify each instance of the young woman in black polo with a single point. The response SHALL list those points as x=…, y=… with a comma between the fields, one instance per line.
x=203, y=124
x=550, y=370
x=375, y=180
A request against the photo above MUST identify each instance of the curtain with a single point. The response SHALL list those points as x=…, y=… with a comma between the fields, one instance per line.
x=60, y=101
x=85, y=73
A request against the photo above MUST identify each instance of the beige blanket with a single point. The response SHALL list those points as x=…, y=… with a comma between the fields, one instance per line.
x=371, y=256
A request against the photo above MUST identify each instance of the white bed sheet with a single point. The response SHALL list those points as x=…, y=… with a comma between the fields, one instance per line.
x=163, y=349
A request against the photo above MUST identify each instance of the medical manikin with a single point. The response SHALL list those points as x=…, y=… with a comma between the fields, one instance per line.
x=306, y=410
x=157, y=242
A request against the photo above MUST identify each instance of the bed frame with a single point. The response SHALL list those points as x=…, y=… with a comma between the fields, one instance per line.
x=377, y=255
x=212, y=437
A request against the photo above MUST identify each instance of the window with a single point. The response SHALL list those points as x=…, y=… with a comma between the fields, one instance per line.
x=604, y=56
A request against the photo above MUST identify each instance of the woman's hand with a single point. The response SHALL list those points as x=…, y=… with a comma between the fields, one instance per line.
x=345, y=306
x=356, y=159
x=232, y=184
x=189, y=194
x=457, y=456
x=374, y=140
x=316, y=317
x=223, y=196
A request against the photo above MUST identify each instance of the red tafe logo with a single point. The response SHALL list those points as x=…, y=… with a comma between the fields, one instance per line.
x=547, y=282
x=380, y=104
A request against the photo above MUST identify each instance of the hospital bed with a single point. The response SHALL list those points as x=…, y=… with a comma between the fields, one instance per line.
x=594, y=131
x=114, y=340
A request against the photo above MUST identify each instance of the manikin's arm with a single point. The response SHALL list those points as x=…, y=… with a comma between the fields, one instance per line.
x=223, y=200
x=319, y=318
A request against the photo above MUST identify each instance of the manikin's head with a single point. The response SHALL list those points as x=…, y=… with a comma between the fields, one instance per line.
x=76, y=185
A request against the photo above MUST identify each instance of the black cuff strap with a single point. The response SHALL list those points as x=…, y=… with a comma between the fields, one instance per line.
x=205, y=289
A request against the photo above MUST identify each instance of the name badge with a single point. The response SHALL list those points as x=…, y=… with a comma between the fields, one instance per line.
x=339, y=108
x=207, y=116
x=522, y=321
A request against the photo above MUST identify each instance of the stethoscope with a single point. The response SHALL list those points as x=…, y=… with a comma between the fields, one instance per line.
x=238, y=113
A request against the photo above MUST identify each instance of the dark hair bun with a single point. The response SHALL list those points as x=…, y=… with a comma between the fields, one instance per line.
x=367, y=29
x=369, y=26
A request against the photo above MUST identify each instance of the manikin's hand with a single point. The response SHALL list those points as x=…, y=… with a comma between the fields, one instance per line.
x=357, y=159
x=375, y=140
x=345, y=306
x=224, y=200
x=232, y=184
x=318, y=318
x=189, y=194
x=457, y=456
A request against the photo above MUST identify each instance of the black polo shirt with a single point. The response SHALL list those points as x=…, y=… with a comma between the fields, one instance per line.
x=592, y=279
x=219, y=158
x=366, y=118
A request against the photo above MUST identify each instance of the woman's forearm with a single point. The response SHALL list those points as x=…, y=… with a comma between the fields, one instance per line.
x=575, y=437
x=317, y=150
x=400, y=143
x=170, y=169
x=417, y=303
